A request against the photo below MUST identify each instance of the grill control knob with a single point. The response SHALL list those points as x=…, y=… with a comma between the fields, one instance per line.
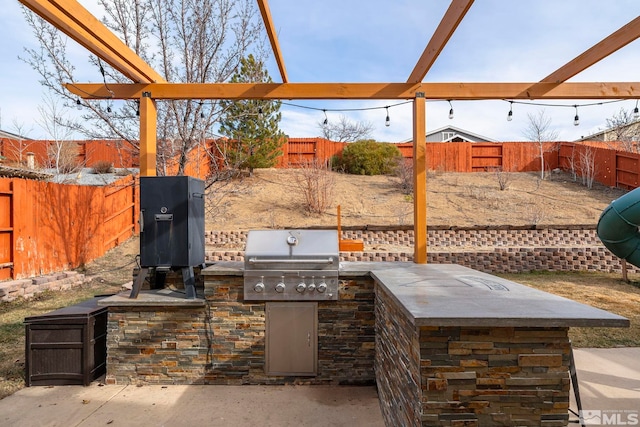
x=322, y=286
x=280, y=286
x=259, y=287
x=311, y=287
x=301, y=287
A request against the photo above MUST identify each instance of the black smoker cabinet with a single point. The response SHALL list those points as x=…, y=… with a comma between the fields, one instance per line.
x=171, y=227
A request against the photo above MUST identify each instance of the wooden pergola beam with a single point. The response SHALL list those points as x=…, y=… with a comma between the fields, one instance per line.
x=432, y=91
x=419, y=180
x=78, y=23
x=599, y=51
x=273, y=38
x=447, y=26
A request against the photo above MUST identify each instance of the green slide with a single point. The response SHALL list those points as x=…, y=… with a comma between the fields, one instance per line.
x=618, y=227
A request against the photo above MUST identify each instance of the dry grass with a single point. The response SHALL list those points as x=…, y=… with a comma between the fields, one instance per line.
x=12, y=332
x=601, y=290
x=104, y=276
x=269, y=200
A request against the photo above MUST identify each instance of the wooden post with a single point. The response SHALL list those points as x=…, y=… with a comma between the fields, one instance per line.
x=625, y=276
x=419, y=180
x=148, y=130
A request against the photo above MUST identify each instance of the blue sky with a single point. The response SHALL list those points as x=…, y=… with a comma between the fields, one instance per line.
x=380, y=41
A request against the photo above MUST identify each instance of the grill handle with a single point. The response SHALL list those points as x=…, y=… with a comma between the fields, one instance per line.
x=291, y=261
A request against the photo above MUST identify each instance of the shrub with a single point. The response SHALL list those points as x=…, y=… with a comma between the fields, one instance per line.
x=63, y=156
x=316, y=182
x=404, y=172
x=103, y=166
x=368, y=157
x=503, y=178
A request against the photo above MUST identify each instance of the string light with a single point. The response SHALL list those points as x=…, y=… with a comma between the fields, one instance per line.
x=137, y=108
x=260, y=113
x=78, y=104
x=104, y=79
x=576, y=122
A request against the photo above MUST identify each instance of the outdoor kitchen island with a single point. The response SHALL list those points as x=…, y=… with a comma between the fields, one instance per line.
x=445, y=345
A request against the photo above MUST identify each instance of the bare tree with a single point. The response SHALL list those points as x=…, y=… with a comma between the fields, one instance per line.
x=587, y=166
x=18, y=147
x=539, y=131
x=62, y=153
x=345, y=130
x=573, y=163
x=184, y=40
x=625, y=128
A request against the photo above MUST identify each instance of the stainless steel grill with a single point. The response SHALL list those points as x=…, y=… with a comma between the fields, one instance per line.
x=291, y=265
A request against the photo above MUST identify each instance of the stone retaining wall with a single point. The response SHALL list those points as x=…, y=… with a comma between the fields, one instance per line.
x=27, y=288
x=492, y=260
x=446, y=237
x=488, y=249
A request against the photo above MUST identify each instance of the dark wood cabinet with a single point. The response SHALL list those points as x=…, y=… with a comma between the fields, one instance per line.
x=66, y=346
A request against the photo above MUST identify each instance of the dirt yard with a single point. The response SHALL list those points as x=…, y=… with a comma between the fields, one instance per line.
x=272, y=198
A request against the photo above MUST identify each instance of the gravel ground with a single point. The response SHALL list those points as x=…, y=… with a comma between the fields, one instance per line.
x=85, y=176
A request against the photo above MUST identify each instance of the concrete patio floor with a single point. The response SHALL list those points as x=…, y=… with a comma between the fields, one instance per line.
x=609, y=387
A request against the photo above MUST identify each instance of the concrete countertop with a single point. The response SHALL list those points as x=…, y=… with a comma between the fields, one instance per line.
x=453, y=295
x=152, y=298
x=224, y=268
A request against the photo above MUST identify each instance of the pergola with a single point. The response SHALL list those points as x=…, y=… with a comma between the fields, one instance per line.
x=148, y=86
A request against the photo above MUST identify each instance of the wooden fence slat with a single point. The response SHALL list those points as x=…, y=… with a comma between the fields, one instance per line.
x=49, y=227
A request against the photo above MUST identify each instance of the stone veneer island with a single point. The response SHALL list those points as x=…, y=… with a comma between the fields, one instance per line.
x=445, y=345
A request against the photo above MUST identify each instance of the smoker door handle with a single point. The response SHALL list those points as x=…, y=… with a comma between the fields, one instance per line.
x=291, y=261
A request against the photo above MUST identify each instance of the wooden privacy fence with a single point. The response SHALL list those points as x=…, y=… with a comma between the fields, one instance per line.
x=47, y=227
x=299, y=151
x=441, y=156
x=612, y=167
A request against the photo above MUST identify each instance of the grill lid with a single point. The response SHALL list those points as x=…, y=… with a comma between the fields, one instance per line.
x=289, y=245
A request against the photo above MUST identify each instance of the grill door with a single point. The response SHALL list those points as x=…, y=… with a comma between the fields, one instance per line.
x=292, y=338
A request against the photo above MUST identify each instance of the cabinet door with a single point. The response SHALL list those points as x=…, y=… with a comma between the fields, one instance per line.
x=291, y=338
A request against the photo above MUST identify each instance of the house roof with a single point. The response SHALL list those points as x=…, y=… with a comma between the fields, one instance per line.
x=460, y=132
x=9, y=135
x=601, y=134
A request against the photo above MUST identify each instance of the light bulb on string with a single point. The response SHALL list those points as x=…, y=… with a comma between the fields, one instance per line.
x=78, y=104
x=326, y=119
x=387, y=121
x=576, y=119
x=636, y=112
x=260, y=114
x=450, y=110
x=510, y=113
